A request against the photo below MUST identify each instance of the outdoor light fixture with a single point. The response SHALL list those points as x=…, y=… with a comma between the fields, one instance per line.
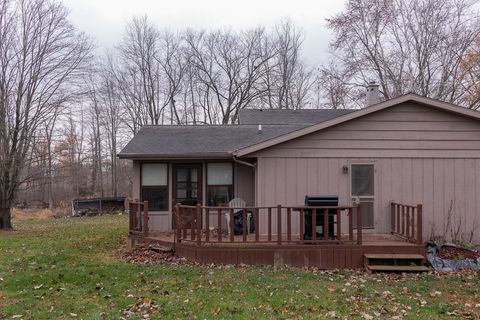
x=345, y=169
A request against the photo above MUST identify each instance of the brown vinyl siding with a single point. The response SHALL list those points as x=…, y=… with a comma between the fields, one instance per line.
x=406, y=130
x=244, y=180
x=421, y=154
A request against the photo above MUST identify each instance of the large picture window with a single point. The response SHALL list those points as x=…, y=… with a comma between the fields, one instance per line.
x=219, y=183
x=154, y=187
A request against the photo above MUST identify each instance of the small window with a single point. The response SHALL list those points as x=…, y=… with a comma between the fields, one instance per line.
x=362, y=179
x=155, y=186
x=219, y=184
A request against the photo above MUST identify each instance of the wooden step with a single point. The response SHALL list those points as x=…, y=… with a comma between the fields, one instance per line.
x=398, y=256
x=393, y=259
x=397, y=268
x=395, y=262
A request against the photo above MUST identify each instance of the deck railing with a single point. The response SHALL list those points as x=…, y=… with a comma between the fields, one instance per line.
x=406, y=221
x=271, y=225
x=138, y=217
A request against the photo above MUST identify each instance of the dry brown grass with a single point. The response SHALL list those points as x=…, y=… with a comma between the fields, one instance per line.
x=32, y=214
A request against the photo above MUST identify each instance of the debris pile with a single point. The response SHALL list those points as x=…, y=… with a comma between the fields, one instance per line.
x=450, y=257
x=144, y=254
x=456, y=253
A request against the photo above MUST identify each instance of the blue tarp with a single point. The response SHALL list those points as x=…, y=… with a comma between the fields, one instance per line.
x=448, y=265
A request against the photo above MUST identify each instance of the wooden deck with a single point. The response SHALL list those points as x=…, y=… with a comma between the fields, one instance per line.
x=280, y=245
x=323, y=256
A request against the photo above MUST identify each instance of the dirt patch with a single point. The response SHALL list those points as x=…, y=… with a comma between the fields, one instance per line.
x=452, y=253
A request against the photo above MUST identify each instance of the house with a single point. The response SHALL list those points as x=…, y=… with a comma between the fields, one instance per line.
x=409, y=150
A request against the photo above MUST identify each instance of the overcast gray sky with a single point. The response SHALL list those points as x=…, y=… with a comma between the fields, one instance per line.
x=104, y=20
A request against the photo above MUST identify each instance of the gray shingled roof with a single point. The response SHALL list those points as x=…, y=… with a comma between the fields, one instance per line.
x=282, y=116
x=220, y=141
x=184, y=141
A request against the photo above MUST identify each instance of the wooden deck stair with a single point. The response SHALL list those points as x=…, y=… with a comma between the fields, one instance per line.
x=395, y=262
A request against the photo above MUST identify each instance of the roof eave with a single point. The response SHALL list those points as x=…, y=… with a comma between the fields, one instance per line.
x=143, y=156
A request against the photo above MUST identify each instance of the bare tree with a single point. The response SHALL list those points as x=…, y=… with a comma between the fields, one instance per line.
x=49, y=128
x=149, y=73
x=408, y=46
x=286, y=77
x=333, y=89
x=94, y=119
x=41, y=56
x=471, y=68
x=229, y=69
x=112, y=118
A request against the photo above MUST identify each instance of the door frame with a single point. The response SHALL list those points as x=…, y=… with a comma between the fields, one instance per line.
x=200, y=168
x=375, y=188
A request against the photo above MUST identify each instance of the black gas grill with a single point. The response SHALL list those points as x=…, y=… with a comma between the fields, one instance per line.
x=320, y=201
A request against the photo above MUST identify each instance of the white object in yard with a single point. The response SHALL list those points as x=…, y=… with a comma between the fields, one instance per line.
x=237, y=203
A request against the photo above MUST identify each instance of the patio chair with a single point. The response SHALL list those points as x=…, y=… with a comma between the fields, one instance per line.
x=237, y=203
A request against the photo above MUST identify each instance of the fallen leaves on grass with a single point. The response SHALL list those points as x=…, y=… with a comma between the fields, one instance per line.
x=143, y=307
x=216, y=311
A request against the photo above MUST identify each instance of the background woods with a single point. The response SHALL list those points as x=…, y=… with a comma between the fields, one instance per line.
x=67, y=108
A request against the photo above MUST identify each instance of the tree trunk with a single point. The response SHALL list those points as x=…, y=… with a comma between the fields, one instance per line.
x=5, y=219
x=50, y=178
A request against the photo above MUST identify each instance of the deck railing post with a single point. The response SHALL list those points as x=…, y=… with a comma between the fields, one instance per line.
x=397, y=212
x=325, y=225
x=302, y=224
x=419, y=224
x=408, y=223
x=232, y=225
x=219, y=223
x=279, y=224
x=244, y=224
x=256, y=223
x=198, y=211
x=359, y=224
x=269, y=224
x=131, y=216
x=207, y=224
x=138, y=217
x=339, y=225
x=314, y=224
x=392, y=218
x=402, y=220
x=289, y=224
x=145, y=217
x=350, y=224
x=177, y=223
x=193, y=226
x=184, y=227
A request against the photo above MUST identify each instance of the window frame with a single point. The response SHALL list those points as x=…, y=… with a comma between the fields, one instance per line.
x=167, y=186
x=207, y=186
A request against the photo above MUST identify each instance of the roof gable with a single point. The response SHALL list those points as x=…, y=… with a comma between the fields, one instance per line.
x=354, y=115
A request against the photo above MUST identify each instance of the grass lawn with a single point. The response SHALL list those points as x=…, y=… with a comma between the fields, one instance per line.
x=70, y=269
